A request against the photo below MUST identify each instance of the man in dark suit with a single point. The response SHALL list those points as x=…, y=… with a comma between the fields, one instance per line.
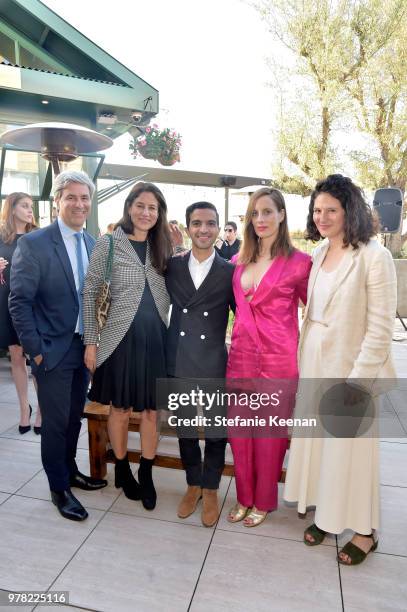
x=46, y=307
x=200, y=287
x=230, y=246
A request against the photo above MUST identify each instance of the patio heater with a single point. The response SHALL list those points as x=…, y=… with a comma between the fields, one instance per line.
x=56, y=143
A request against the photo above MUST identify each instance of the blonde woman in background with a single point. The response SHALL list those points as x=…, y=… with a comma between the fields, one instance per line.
x=17, y=218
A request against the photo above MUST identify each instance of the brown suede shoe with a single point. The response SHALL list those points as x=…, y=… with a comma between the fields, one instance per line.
x=189, y=502
x=210, y=509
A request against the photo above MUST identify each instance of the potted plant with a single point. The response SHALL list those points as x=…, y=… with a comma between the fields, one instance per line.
x=161, y=145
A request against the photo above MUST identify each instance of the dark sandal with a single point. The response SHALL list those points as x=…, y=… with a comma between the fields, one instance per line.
x=316, y=533
x=356, y=554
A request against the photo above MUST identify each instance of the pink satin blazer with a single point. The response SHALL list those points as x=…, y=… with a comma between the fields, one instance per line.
x=265, y=332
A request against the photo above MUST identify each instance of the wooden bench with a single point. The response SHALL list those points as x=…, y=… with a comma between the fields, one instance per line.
x=100, y=452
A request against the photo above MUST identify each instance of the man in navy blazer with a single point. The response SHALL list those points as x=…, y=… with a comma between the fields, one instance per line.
x=45, y=303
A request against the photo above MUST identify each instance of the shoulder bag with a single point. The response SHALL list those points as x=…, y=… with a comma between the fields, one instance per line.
x=104, y=299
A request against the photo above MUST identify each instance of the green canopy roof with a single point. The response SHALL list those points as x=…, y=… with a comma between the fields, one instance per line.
x=50, y=71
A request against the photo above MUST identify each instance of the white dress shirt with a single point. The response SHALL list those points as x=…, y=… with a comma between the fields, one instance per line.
x=199, y=270
x=68, y=236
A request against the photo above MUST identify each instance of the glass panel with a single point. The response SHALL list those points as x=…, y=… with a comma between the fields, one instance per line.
x=29, y=60
x=45, y=211
x=7, y=49
x=20, y=170
x=75, y=164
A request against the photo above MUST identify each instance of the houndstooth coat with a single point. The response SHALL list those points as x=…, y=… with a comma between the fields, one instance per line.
x=127, y=287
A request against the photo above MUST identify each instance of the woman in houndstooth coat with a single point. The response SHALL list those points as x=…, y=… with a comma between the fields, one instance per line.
x=130, y=354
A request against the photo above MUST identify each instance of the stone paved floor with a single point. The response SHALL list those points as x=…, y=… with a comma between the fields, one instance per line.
x=125, y=558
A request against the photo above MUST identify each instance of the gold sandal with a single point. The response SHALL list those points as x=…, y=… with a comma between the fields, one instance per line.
x=237, y=513
x=256, y=517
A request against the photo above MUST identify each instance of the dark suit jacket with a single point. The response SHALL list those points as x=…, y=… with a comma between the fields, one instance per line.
x=226, y=251
x=196, y=335
x=43, y=300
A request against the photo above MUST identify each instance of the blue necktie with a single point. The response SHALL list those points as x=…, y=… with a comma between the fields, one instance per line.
x=81, y=276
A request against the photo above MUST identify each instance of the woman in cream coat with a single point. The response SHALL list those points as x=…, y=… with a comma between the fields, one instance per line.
x=346, y=335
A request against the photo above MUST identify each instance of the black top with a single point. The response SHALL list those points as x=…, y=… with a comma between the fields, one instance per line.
x=8, y=334
x=141, y=250
x=147, y=314
x=227, y=251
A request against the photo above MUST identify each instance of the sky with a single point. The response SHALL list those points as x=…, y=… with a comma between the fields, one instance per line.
x=208, y=61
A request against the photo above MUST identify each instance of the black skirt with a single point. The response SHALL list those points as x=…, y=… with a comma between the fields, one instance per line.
x=127, y=379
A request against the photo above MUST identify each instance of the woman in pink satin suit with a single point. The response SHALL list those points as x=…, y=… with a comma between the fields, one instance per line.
x=270, y=278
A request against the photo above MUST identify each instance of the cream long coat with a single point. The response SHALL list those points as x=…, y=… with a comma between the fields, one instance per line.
x=340, y=476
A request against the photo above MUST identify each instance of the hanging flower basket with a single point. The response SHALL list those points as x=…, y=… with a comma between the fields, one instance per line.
x=147, y=153
x=161, y=145
x=166, y=162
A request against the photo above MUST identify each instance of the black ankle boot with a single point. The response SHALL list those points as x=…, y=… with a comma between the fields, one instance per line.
x=148, y=492
x=125, y=479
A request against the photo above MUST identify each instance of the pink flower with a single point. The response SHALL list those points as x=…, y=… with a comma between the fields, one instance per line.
x=148, y=130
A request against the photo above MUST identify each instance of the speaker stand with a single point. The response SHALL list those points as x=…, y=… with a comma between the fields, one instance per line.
x=401, y=321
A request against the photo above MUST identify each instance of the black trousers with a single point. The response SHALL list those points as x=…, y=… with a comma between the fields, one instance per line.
x=62, y=395
x=207, y=474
